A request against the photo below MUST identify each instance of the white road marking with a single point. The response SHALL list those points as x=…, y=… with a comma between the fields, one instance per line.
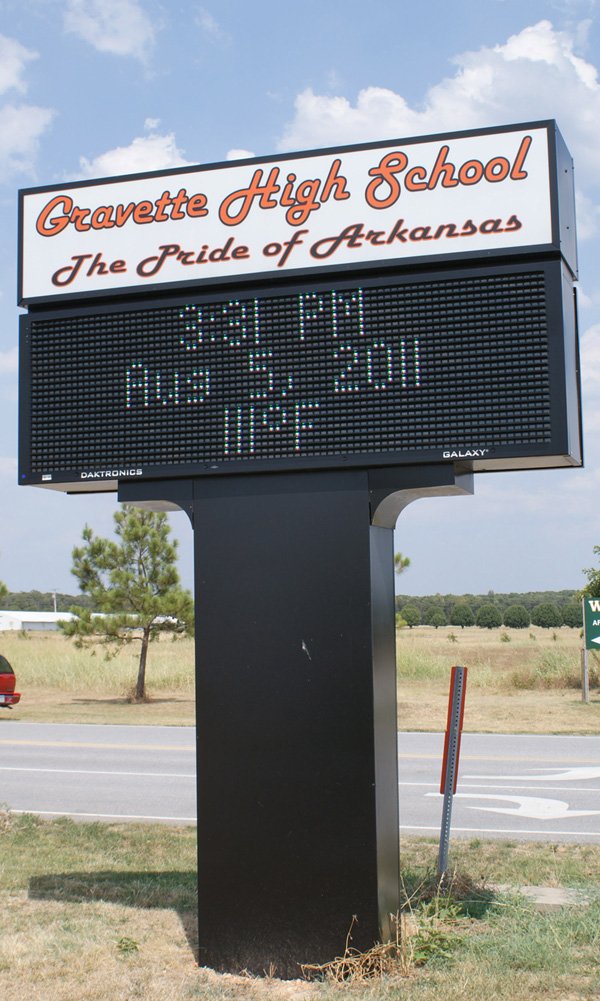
x=422, y=756
x=94, y=771
x=502, y=830
x=104, y=816
x=564, y=775
x=504, y=785
x=102, y=745
x=533, y=807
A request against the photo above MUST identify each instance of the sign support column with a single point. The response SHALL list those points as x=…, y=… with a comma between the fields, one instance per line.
x=296, y=708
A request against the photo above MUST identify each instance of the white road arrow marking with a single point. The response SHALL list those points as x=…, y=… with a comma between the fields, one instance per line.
x=527, y=806
x=552, y=775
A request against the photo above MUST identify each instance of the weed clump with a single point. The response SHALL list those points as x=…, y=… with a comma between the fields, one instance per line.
x=427, y=927
x=554, y=669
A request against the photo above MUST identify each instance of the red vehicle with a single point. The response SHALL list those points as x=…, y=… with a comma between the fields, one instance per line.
x=8, y=696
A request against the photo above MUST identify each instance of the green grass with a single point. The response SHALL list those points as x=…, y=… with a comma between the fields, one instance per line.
x=518, y=863
x=98, y=912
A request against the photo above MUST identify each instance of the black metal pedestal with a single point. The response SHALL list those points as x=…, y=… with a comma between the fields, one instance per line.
x=296, y=708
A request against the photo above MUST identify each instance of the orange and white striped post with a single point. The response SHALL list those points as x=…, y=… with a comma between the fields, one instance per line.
x=454, y=725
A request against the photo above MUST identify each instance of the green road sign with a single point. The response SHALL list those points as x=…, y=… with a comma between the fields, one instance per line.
x=591, y=623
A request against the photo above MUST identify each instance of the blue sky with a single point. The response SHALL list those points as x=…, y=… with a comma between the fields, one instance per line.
x=91, y=88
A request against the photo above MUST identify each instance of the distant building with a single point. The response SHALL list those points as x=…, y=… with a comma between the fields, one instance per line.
x=32, y=621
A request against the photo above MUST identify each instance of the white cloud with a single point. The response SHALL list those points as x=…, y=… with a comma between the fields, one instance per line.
x=120, y=27
x=535, y=74
x=211, y=27
x=21, y=129
x=540, y=43
x=21, y=126
x=153, y=152
x=588, y=217
x=13, y=60
x=9, y=361
x=239, y=154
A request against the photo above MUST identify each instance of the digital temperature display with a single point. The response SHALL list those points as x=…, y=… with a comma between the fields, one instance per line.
x=475, y=366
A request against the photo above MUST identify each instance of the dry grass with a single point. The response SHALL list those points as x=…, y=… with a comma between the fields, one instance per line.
x=503, y=658
x=423, y=706
x=43, y=660
x=64, y=952
x=49, y=705
x=383, y=959
x=527, y=684
x=61, y=684
x=52, y=951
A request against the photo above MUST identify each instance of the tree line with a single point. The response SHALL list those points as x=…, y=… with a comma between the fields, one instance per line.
x=428, y=606
x=516, y=610
x=42, y=601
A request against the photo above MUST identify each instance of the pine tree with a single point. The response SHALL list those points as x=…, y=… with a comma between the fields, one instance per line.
x=135, y=586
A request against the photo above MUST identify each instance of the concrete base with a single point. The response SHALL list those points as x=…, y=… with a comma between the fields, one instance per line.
x=548, y=898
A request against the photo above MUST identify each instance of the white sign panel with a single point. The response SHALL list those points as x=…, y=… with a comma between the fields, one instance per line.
x=472, y=193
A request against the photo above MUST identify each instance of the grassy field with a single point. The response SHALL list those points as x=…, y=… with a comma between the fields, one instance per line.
x=62, y=684
x=519, y=680
x=100, y=912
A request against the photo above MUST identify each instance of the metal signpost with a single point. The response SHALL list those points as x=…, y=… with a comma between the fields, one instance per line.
x=291, y=350
x=449, y=779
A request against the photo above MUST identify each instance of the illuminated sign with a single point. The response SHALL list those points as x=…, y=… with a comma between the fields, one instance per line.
x=411, y=201
x=474, y=366
x=401, y=302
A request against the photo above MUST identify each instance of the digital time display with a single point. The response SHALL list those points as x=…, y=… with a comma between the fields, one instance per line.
x=468, y=365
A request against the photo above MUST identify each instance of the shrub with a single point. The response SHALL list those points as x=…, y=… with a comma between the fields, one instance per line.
x=572, y=615
x=411, y=615
x=489, y=617
x=462, y=615
x=546, y=615
x=437, y=618
x=517, y=617
x=554, y=669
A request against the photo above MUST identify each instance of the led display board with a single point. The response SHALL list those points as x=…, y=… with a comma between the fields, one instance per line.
x=474, y=366
x=391, y=303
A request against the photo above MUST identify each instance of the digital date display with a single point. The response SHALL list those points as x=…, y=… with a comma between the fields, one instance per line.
x=381, y=372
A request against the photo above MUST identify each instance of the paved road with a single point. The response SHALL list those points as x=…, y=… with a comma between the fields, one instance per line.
x=99, y=772
x=539, y=788
x=543, y=788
